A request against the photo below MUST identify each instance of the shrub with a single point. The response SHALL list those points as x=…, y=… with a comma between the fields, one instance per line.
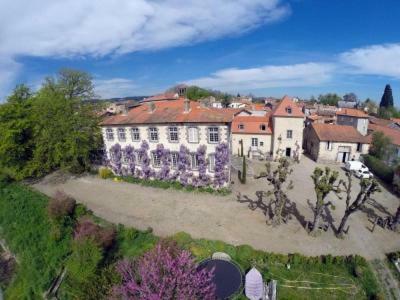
x=87, y=229
x=165, y=272
x=61, y=205
x=105, y=173
x=379, y=168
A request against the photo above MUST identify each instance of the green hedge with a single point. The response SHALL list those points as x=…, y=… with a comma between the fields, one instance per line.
x=379, y=168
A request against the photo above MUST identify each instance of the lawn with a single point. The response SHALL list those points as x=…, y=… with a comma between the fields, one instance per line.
x=43, y=250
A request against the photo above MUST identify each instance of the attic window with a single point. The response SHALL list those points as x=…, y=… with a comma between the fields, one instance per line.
x=262, y=127
x=289, y=110
x=241, y=126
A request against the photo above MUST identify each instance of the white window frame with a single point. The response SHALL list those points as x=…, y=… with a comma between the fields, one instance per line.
x=211, y=162
x=139, y=158
x=213, y=135
x=153, y=134
x=174, y=159
x=194, y=137
x=194, y=161
x=125, y=159
x=110, y=134
x=135, y=134
x=156, y=160
x=254, y=142
x=289, y=136
x=121, y=134
x=173, y=134
x=329, y=145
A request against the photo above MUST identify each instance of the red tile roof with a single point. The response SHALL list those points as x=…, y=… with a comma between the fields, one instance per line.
x=339, y=133
x=252, y=124
x=172, y=112
x=393, y=134
x=352, y=112
x=162, y=97
x=281, y=110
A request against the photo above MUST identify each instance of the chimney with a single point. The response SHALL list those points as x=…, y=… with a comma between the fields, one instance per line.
x=186, y=105
x=151, y=106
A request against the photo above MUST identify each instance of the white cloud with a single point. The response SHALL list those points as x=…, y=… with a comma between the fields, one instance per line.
x=115, y=87
x=297, y=75
x=374, y=60
x=48, y=28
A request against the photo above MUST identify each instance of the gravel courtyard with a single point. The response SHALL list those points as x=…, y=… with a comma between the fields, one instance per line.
x=226, y=218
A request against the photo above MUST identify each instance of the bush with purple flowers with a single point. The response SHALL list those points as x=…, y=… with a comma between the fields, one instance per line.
x=165, y=272
x=221, y=175
x=116, y=159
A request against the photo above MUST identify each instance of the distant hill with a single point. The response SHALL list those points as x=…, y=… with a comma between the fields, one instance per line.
x=120, y=99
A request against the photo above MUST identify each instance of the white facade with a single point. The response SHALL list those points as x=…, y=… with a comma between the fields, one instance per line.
x=251, y=142
x=287, y=136
x=171, y=136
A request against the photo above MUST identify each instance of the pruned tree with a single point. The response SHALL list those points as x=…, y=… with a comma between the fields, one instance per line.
x=278, y=179
x=396, y=220
x=367, y=188
x=325, y=182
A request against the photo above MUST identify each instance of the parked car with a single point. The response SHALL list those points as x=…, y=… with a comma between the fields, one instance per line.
x=355, y=165
x=363, y=174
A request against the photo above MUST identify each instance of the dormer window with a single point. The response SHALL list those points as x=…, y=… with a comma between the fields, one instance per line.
x=289, y=110
x=262, y=127
x=241, y=126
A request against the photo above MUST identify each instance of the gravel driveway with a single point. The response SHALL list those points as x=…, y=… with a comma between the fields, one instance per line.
x=224, y=218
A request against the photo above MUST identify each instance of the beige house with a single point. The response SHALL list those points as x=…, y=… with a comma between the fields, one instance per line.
x=170, y=124
x=334, y=143
x=353, y=117
x=270, y=134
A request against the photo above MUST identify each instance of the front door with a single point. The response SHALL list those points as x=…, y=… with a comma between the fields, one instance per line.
x=288, y=152
x=254, y=143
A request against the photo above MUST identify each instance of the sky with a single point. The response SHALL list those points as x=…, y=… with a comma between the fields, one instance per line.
x=264, y=47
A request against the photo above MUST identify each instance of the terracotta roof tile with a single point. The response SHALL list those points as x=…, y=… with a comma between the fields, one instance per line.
x=287, y=108
x=162, y=97
x=352, y=112
x=393, y=134
x=339, y=133
x=172, y=111
x=251, y=124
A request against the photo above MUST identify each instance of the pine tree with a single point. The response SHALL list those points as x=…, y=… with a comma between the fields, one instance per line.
x=387, y=97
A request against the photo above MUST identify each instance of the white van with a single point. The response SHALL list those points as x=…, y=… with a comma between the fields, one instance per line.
x=355, y=165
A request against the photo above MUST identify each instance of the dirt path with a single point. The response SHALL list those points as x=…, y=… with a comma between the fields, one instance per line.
x=220, y=218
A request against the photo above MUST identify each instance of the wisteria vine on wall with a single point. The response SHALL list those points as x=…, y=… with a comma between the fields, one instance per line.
x=140, y=156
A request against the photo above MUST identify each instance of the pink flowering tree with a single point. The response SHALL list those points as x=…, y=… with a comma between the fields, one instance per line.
x=165, y=272
x=221, y=174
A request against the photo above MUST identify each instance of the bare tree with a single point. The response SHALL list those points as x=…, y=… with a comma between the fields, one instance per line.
x=396, y=220
x=324, y=183
x=277, y=178
x=367, y=188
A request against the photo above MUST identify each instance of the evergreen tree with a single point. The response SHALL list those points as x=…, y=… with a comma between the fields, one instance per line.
x=387, y=97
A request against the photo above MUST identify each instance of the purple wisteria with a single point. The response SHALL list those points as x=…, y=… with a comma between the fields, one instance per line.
x=165, y=160
x=146, y=171
x=165, y=272
x=116, y=159
x=184, y=165
x=129, y=153
x=221, y=175
x=203, y=179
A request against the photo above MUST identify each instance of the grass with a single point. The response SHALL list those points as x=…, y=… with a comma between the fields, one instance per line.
x=29, y=233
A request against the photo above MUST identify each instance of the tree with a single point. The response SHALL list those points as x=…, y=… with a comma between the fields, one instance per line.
x=329, y=99
x=277, y=178
x=370, y=106
x=226, y=100
x=324, y=183
x=196, y=93
x=165, y=272
x=367, y=188
x=350, y=97
x=75, y=84
x=20, y=94
x=387, y=97
x=380, y=145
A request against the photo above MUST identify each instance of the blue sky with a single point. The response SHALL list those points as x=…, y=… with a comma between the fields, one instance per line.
x=263, y=47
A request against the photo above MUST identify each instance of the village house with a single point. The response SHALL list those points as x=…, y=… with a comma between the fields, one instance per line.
x=353, y=117
x=334, y=143
x=189, y=132
x=393, y=133
x=266, y=133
